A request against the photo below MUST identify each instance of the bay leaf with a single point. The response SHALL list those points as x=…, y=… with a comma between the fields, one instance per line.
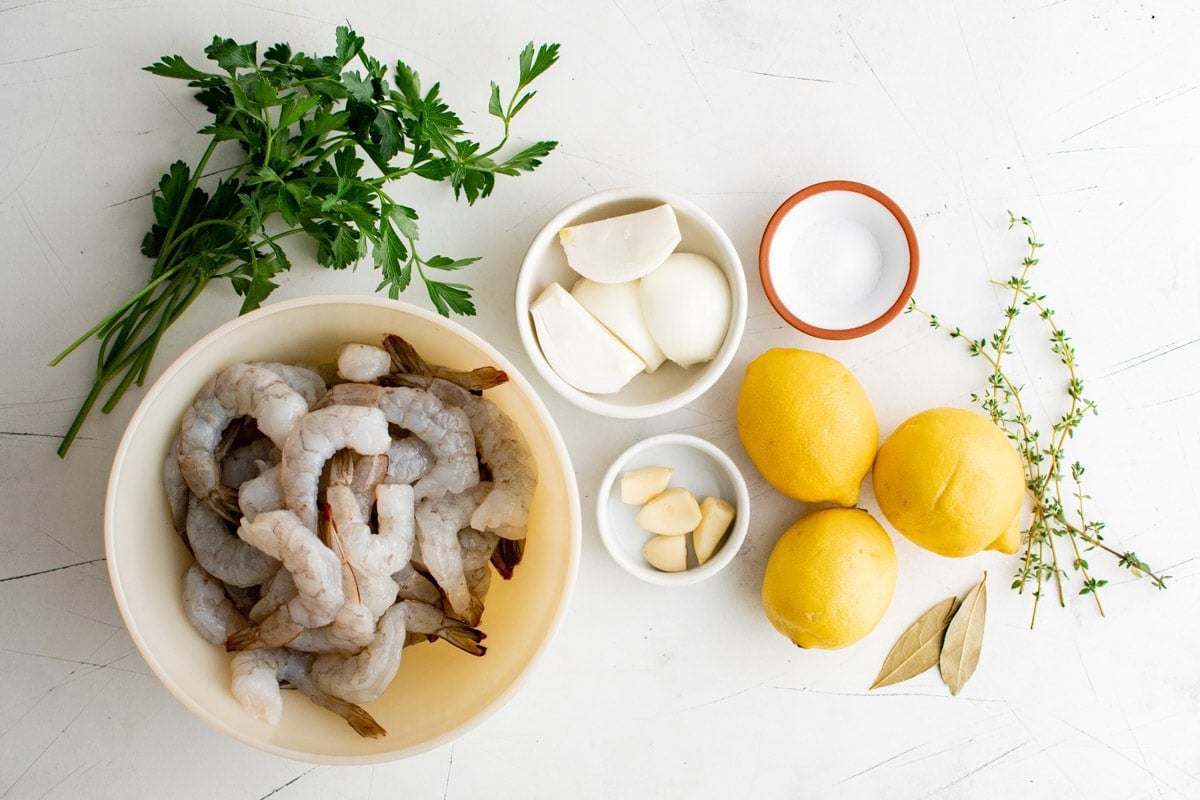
x=918, y=648
x=964, y=639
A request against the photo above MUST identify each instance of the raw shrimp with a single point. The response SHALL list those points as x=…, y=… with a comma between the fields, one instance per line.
x=305, y=380
x=351, y=630
x=222, y=554
x=263, y=493
x=208, y=608
x=237, y=391
x=362, y=362
x=479, y=581
x=278, y=589
x=407, y=361
x=477, y=547
x=176, y=488
x=361, y=474
x=363, y=677
x=248, y=461
x=409, y=460
x=438, y=522
x=371, y=557
x=502, y=448
x=415, y=586
x=315, y=569
x=429, y=620
x=444, y=428
x=256, y=677
x=318, y=436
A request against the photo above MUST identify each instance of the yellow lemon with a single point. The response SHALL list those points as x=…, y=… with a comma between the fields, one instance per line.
x=950, y=481
x=830, y=578
x=807, y=425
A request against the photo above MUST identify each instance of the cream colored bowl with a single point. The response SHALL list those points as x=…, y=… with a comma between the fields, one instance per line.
x=440, y=692
x=670, y=386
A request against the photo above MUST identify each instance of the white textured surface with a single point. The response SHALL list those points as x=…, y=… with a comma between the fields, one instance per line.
x=1080, y=115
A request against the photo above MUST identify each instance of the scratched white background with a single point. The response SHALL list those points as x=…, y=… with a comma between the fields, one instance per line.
x=1082, y=115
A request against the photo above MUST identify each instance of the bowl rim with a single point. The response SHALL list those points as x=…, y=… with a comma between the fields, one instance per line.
x=114, y=570
x=733, y=540
x=713, y=370
x=768, y=238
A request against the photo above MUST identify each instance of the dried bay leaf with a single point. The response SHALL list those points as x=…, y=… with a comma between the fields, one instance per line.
x=918, y=648
x=964, y=639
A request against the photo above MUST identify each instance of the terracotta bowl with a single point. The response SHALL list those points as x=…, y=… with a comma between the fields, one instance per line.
x=838, y=260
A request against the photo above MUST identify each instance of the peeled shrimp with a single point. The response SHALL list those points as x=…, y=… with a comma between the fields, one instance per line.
x=305, y=380
x=208, y=608
x=363, y=677
x=222, y=554
x=277, y=590
x=362, y=362
x=237, y=391
x=444, y=428
x=502, y=447
x=256, y=677
x=317, y=573
x=176, y=488
x=415, y=586
x=371, y=557
x=409, y=460
x=438, y=523
x=361, y=474
x=318, y=436
x=477, y=547
x=262, y=493
x=248, y=461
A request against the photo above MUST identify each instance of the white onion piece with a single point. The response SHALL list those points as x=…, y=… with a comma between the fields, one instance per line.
x=618, y=306
x=687, y=306
x=624, y=248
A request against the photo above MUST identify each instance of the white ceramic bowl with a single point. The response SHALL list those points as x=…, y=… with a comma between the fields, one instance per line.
x=439, y=692
x=700, y=467
x=838, y=260
x=670, y=386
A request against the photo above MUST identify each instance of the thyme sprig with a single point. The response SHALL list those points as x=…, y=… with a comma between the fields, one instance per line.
x=1060, y=517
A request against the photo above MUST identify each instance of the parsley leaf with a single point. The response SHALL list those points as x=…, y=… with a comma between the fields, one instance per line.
x=306, y=126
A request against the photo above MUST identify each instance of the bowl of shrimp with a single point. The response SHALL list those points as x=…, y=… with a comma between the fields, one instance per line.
x=342, y=529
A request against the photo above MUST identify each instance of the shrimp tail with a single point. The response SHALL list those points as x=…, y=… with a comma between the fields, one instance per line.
x=406, y=360
x=355, y=715
x=224, y=501
x=255, y=638
x=464, y=638
x=507, y=555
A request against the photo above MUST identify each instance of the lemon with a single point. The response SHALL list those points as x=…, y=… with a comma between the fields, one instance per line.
x=950, y=481
x=830, y=578
x=807, y=425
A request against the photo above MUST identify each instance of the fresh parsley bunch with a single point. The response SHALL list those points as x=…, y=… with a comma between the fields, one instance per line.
x=304, y=124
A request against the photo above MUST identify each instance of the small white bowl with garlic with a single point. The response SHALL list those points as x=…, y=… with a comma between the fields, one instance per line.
x=631, y=302
x=689, y=504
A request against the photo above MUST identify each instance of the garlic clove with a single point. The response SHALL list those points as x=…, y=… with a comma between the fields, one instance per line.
x=715, y=517
x=642, y=485
x=672, y=513
x=667, y=553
